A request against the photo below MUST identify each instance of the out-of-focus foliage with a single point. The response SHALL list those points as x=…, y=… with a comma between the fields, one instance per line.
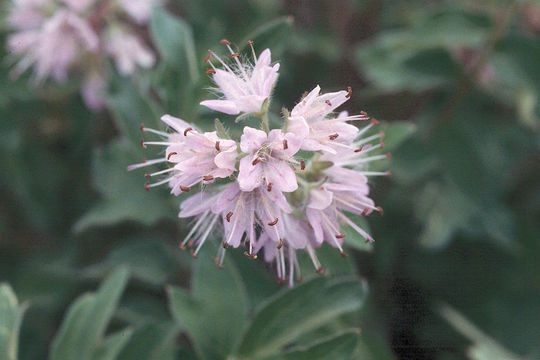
x=456, y=86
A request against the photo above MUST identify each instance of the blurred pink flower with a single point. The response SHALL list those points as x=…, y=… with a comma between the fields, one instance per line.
x=268, y=161
x=55, y=47
x=245, y=87
x=139, y=10
x=128, y=51
x=93, y=91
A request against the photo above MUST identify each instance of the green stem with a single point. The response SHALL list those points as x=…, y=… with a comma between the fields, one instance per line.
x=264, y=123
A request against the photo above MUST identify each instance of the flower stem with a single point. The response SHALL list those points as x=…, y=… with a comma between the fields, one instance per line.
x=264, y=123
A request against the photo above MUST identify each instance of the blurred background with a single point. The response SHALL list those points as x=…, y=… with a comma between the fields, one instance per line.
x=455, y=269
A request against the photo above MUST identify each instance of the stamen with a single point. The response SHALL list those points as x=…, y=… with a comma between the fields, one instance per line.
x=327, y=102
x=320, y=270
x=208, y=178
x=256, y=161
x=302, y=165
x=359, y=149
x=207, y=58
x=333, y=136
x=143, y=144
x=146, y=186
x=252, y=256
x=147, y=175
x=210, y=71
x=280, y=245
x=355, y=227
x=349, y=92
x=228, y=217
x=192, y=253
x=142, y=127
x=285, y=144
x=380, y=209
x=269, y=187
x=187, y=130
x=225, y=244
x=344, y=254
x=185, y=188
x=217, y=146
x=388, y=155
x=273, y=222
x=250, y=42
x=235, y=55
x=375, y=121
x=205, y=235
x=171, y=154
x=363, y=113
x=340, y=236
x=225, y=41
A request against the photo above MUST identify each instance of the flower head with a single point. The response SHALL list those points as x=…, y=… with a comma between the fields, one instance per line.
x=54, y=48
x=281, y=201
x=244, y=86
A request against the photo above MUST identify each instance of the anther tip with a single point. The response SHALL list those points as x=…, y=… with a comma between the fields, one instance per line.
x=388, y=155
x=182, y=246
x=193, y=255
x=388, y=173
x=143, y=145
x=344, y=254
x=380, y=210
x=375, y=121
x=225, y=244
x=146, y=186
x=142, y=127
x=225, y=41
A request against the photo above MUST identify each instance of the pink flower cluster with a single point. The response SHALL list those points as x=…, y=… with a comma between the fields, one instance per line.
x=281, y=190
x=56, y=36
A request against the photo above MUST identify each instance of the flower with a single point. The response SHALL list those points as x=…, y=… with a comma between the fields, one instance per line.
x=139, y=10
x=196, y=157
x=56, y=37
x=93, y=91
x=309, y=120
x=268, y=160
x=128, y=51
x=54, y=48
x=280, y=202
x=245, y=87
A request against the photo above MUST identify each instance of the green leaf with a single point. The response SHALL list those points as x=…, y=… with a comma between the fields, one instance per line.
x=131, y=108
x=83, y=328
x=271, y=35
x=484, y=347
x=215, y=311
x=174, y=40
x=112, y=345
x=11, y=314
x=338, y=347
x=294, y=312
x=152, y=342
x=124, y=195
x=395, y=133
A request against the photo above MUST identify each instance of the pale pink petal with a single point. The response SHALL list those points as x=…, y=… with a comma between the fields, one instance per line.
x=224, y=106
x=249, y=176
x=252, y=139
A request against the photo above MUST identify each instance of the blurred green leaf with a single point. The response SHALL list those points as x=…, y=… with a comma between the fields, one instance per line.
x=484, y=347
x=112, y=345
x=290, y=313
x=148, y=261
x=83, y=328
x=174, y=40
x=270, y=35
x=124, y=195
x=152, y=342
x=215, y=311
x=338, y=347
x=395, y=133
x=11, y=314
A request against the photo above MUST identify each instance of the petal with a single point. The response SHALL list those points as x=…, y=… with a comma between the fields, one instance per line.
x=298, y=126
x=249, y=176
x=230, y=84
x=315, y=219
x=226, y=198
x=252, y=139
x=320, y=198
x=226, y=159
x=177, y=124
x=224, y=106
x=280, y=174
